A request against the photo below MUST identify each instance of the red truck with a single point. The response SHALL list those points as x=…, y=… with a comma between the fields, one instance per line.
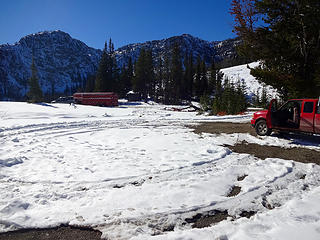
x=296, y=115
x=109, y=99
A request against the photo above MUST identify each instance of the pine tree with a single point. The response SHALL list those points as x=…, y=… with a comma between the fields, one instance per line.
x=122, y=80
x=241, y=100
x=90, y=82
x=212, y=83
x=114, y=84
x=176, y=71
x=139, y=83
x=35, y=93
x=285, y=36
x=107, y=78
x=256, y=99
x=198, y=73
x=102, y=72
x=125, y=79
x=128, y=84
x=149, y=73
x=167, y=79
x=188, y=76
x=264, y=98
x=184, y=88
x=204, y=78
x=159, y=82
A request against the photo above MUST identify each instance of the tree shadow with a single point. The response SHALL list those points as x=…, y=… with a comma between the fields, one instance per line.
x=46, y=105
x=130, y=103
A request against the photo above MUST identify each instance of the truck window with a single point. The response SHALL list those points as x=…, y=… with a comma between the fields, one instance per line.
x=308, y=107
x=318, y=110
x=291, y=104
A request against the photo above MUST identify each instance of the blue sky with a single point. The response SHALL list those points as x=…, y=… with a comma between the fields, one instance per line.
x=125, y=21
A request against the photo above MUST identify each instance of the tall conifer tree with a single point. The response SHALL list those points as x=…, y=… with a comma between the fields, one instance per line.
x=107, y=78
x=102, y=72
x=197, y=84
x=167, y=79
x=35, y=93
x=213, y=77
x=159, y=81
x=149, y=73
x=204, y=79
x=139, y=83
x=176, y=71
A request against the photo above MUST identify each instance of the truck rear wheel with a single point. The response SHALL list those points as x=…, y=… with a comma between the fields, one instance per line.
x=262, y=128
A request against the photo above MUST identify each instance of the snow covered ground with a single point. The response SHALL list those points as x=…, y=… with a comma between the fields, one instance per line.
x=137, y=172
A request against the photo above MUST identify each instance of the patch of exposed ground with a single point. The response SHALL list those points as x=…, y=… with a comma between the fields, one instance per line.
x=58, y=233
x=234, y=191
x=213, y=217
x=247, y=214
x=261, y=151
x=241, y=178
x=207, y=219
x=303, y=155
x=224, y=127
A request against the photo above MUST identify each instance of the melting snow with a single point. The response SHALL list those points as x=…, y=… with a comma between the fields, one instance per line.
x=140, y=173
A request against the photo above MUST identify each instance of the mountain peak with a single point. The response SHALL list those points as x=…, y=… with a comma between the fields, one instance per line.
x=63, y=63
x=57, y=34
x=47, y=32
x=188, y=45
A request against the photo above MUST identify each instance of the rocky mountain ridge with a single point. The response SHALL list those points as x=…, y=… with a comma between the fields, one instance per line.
x=218, y=50
x=64, y=63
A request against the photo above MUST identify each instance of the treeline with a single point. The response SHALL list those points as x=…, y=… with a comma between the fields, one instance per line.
x=169, y=79
x=229, y=98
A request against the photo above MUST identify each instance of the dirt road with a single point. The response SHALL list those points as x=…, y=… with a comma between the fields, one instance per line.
x=298, y=154
x=59, y=233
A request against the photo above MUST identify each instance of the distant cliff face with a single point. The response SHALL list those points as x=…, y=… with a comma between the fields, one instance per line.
x=226, y=49
x=219, y=50
x=64, y=63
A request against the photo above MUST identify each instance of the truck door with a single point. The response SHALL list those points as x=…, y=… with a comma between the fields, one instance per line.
x=317, y=120
x=271, y=109
x=307, y=116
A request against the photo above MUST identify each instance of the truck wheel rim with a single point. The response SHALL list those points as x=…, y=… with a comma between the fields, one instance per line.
x=262, y=128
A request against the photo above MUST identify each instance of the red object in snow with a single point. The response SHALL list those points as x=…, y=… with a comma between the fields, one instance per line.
x=296, y=115
x=108, y=99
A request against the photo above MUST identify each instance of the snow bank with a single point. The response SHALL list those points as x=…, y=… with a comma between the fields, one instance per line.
x=242, y=73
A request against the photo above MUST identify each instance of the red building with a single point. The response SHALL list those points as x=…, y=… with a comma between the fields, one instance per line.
x=109, y=99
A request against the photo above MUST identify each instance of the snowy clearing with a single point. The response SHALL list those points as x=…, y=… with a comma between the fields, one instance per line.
x=138, y=172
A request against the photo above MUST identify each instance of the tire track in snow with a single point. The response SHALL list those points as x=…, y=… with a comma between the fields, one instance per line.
x=278, y=188
x=159, y=222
